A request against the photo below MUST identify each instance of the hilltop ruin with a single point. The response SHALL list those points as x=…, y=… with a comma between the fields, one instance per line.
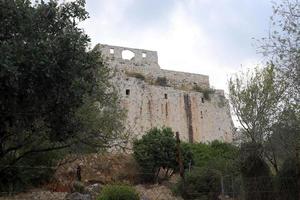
x=155, y=97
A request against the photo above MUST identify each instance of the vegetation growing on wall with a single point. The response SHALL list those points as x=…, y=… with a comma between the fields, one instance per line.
x=206, y=91
x=135, y=75
x=162, y=81
x=222, y=101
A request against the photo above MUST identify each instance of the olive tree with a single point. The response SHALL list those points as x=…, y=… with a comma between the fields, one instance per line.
x=282, y=45
x=56, y=95
x=256, y=99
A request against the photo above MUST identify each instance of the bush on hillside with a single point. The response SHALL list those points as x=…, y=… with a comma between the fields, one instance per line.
x=204, y=183
x=156, y=150
x=218, y=155
x=256, y=175
x=118, y=192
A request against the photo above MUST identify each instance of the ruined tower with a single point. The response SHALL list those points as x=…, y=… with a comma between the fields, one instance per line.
x=154, y=97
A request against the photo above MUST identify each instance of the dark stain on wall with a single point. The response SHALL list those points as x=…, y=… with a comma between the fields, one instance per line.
x=188, y=111
x=167, y=110
x=150, y=112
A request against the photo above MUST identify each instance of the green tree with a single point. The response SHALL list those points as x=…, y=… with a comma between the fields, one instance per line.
x=281, y=46
x=285, y=138
x=156, y=150
x=55, y=91
x=257, y=101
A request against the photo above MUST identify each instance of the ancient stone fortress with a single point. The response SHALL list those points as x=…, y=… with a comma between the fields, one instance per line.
x=155, y=97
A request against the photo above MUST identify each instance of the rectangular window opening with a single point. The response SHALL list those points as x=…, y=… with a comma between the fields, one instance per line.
x=166, y=96
x=127, y=92
x=202, y=100
x=111, y=51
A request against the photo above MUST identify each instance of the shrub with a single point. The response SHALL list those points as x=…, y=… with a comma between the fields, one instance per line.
x=118, y=192
x=136, y=75
x=203, y=183
x=78, y=187
x=287, y=180
x=219, y=155
x=206, y=91
x=256, y=174
x=157, y=150
x=162, y=81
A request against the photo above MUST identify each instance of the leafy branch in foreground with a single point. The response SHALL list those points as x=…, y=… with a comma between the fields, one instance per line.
x=56, y=96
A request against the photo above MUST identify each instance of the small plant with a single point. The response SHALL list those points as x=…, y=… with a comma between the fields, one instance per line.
x=118, y=192
x=136, y=75
x=222, y=101
x=206, y=91
x=78, y=187
x=162, y=81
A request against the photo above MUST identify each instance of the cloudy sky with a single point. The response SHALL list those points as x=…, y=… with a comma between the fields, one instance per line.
x=198, y=36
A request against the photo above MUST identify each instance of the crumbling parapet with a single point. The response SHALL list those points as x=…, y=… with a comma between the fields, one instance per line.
x=145, y=62
x=140, y=57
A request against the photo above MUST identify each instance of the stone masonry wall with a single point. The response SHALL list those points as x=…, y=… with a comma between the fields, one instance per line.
x=176, y=105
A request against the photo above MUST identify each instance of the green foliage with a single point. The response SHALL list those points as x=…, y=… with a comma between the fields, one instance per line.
x=118, y=192
x=157, y=150
x=211, y=162
x=222, y=101
x=218, y=155
x=281, y=46
x=255, y=99
x=162, y=81
x=55, y=92
x=203, y=183
x=287, y=177
x=29, y=172
x=206, y=91
x=285, y=138
x=256, y=175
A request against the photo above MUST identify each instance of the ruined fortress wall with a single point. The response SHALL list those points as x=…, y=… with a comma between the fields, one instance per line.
x=177, y=106
x=149, y=67
x=189, y=113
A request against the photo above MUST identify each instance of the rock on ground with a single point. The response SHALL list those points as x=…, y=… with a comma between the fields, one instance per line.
x=156, y=192
x=78, y=196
